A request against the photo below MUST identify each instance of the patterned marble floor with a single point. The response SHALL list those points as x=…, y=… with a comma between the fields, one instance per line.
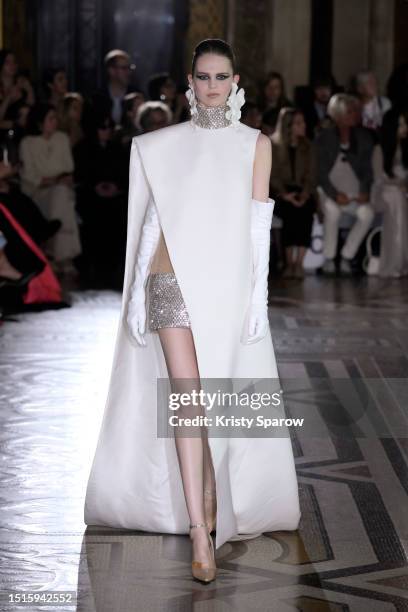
x=350, y=551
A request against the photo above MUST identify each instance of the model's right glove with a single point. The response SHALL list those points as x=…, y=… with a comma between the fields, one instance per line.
x=136, y=316
x=261, y=221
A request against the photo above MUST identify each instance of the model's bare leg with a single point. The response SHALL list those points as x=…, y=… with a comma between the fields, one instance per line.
x=179, y=352
x=210, y=499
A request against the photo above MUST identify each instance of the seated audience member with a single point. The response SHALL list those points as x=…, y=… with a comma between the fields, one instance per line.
x=70, y=118
x=18, y=263
x=8, y=273
x=26, y=278
x=129, y=128
x=109, y=100
x=391, y=193
x=152, y=116
x=292, y=186
x=25, y=211
x=25, y=275
x=162, y=88
x=374, y=106
x=272, y=97
x=20, y=126
x=315, y=110
x=47, y=177
x=101, y=172
x=15, y=89
x=251, y=115
x=55, y=87
x=344, y=173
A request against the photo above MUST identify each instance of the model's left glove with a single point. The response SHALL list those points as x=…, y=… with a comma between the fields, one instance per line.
x=261, y=222
x=136, y=316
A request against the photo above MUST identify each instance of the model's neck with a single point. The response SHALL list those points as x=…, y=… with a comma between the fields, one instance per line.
x=211, y=117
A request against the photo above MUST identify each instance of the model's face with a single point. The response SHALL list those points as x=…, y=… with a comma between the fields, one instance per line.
x=60, y=83
x=50, y=123
x=212, y=79
x=298, y=126
x=273, y=90
x=402, y=128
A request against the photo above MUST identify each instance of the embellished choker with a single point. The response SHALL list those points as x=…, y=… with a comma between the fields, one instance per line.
x=211, y=117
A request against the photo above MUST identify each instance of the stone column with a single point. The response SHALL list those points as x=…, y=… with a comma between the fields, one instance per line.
x=381, y=41
x=351, y=30
x=206, y=20
x=288, y=41
x=363, y=34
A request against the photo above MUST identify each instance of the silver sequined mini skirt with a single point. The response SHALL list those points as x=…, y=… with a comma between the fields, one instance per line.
x=166, y=304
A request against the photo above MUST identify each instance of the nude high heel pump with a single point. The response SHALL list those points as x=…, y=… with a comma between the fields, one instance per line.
x=210, y=506
x=204, y=572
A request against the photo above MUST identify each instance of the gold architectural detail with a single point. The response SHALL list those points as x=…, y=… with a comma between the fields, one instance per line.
x=207, y=20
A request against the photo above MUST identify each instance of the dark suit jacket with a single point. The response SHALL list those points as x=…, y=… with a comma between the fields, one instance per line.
x=359, y=156
x=281, y=174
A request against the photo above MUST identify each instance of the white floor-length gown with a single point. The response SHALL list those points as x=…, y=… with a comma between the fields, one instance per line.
x=201, y=182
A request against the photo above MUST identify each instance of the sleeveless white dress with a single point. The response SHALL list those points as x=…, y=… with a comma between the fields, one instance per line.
x=201, y=183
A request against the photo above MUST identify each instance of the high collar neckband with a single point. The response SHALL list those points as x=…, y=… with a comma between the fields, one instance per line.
x=211, y=117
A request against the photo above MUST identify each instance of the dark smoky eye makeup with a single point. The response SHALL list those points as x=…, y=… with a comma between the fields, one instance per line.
x=222, y=76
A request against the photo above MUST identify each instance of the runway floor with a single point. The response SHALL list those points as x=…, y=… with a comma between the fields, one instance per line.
x=350, y=551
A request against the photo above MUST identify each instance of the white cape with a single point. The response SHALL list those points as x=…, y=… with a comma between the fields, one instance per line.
x=201, y=183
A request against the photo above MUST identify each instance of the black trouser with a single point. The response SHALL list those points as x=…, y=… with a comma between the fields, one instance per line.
x=297, y=222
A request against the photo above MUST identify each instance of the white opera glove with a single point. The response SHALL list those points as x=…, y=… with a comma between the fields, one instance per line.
x=136, y=316
x=261, y=222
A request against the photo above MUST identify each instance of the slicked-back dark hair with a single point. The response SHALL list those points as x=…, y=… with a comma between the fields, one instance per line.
x=216, y=46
